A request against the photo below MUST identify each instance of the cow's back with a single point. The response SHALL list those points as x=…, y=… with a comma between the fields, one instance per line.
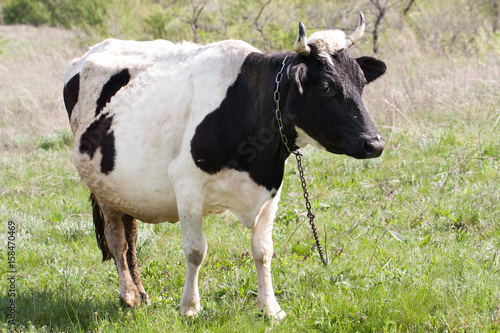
x=137, y=105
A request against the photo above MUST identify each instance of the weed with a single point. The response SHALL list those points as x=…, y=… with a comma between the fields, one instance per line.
x=58, y=139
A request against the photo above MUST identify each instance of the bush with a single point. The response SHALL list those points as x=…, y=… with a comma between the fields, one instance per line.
x=33, y=12
x=451, y=27
x=66, y=13
x=155, y=25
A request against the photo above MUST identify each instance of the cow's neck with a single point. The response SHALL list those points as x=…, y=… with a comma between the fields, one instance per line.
x=242, y=133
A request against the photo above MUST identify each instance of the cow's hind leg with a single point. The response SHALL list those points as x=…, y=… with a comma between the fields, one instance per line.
x=114, y=232
x=130, y=225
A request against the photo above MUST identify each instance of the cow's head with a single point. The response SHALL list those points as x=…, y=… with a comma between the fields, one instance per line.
x=325, y=97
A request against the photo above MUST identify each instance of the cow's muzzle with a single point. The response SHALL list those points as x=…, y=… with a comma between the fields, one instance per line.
x=374, y=147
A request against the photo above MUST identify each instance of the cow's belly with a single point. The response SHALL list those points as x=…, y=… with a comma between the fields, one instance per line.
x=150, y=195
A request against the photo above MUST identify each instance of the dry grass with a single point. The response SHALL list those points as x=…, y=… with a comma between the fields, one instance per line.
x=425, y=93
x=32, y=67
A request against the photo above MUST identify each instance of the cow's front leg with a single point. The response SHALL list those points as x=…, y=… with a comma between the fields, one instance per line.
x=262, y=251
x=195, y=248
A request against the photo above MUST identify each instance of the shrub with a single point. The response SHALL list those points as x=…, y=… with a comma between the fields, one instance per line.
x=33, y=12
x=66, y=13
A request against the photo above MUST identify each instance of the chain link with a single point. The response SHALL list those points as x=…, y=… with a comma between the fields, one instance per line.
x=298, y=157
x=310, y=214
x=277, y=97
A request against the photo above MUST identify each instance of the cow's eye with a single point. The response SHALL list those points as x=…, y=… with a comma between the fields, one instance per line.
x=324, y=88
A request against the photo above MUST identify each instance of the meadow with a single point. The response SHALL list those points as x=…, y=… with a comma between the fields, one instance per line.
x=412, y=238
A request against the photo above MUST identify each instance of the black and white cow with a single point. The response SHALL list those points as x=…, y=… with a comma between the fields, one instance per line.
x=174, y=132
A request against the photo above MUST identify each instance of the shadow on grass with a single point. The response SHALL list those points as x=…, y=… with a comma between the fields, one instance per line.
x=54, y=312
x=48, y=311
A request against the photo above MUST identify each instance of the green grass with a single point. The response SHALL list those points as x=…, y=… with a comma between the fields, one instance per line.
x=413, y=239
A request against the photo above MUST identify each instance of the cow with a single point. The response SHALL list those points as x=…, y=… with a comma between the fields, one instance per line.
x=167, y=132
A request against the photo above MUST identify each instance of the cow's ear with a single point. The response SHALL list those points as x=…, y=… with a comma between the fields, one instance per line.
x=298, y=74
x=372, y=68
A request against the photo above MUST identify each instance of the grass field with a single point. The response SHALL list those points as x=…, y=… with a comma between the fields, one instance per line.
x=413, y=237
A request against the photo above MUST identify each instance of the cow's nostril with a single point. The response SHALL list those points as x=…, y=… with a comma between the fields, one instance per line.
x=374, y=148
x=369, y=148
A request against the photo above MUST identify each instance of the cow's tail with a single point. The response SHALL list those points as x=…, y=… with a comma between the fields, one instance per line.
x=99, y=224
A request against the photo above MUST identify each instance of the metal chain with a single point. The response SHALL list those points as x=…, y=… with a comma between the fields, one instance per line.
x=298, y=156
x=277, y=97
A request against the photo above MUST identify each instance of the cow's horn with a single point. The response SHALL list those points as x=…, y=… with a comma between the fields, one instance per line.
x=301, y=46
x=356, y=35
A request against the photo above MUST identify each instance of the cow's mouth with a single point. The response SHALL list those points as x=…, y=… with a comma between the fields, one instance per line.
x=361, y=148
x=367, y=148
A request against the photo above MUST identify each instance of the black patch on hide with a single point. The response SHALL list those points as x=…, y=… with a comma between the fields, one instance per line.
x=114, y=84
x=242, y=133
x=70, y=93
x=96, y=136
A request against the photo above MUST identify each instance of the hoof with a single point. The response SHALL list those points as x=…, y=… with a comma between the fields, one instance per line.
x=190, y=311
x=278, y=316
x=144, y=298
x=131, y=299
